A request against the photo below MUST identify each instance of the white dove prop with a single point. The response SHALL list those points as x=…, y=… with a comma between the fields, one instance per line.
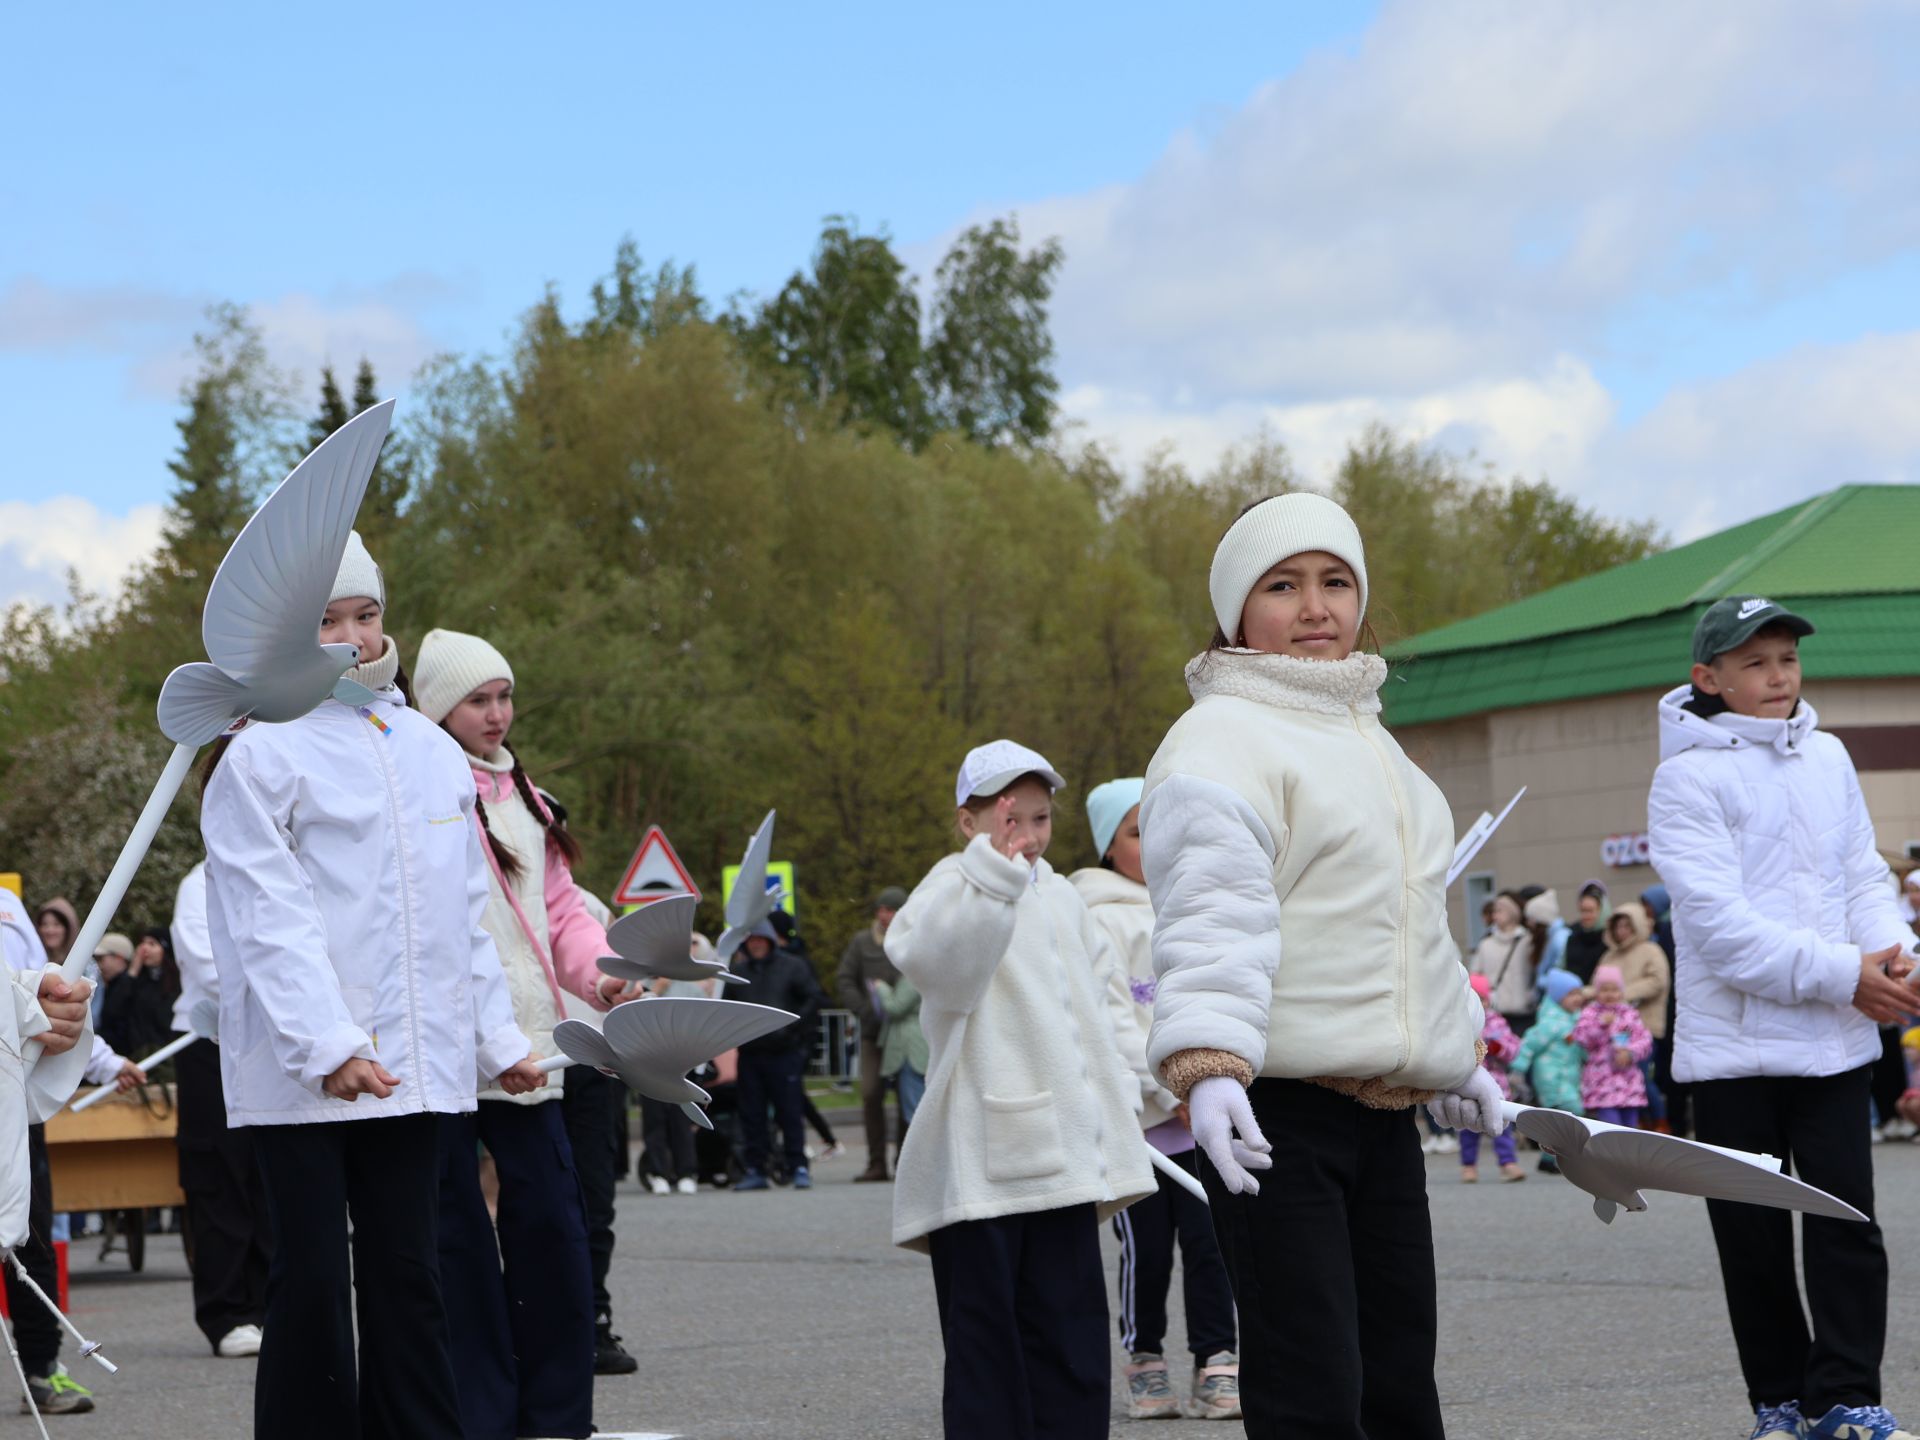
x=652, y=1044
x=1477, y=836
x=261, y=627
x=1615, y=1164
x=204, y=1024
x=751, y=901
x=654, y=940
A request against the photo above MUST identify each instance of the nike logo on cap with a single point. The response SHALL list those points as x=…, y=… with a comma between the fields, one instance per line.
x=1754, y=607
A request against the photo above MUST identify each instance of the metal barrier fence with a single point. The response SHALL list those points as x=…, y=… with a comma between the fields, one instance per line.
x=836, y=1047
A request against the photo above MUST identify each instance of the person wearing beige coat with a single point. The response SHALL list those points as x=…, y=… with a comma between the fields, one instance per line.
x=1643, y=965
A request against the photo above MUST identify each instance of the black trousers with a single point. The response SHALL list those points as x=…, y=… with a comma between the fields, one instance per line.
x=385, y=1175
x=519, y=1292
x=669, y=1139
x=1819, y=1127
x=226, y=1200
x=592, y=1108
x=1023, y=1312
x=1332, y=1266
x=1147, y=1231
x=35, y=1330
x=1889, y=1074
x=772, y=1079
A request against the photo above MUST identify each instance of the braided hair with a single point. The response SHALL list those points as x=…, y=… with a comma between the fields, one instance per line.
x=557, y=834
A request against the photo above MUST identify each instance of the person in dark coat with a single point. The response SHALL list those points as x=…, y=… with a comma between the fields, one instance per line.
x=863, y=964
x=773, y=1067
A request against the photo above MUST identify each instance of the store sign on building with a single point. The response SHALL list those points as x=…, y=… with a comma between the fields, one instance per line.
x=1622, y=850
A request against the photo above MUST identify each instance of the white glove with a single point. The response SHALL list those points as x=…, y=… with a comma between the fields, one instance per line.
x=1477, y=1105
x=1217, y=1107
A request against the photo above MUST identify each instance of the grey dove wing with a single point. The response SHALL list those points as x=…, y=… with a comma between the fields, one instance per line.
x=677, y=1032
x=747, y=905
x=654, y=939
x=269, y=593
x=1666, y=1162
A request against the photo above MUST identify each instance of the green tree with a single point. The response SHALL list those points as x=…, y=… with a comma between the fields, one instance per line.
x=989, y=361
x=333, y=412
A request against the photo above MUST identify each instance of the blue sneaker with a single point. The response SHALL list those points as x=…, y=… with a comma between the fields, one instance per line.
x=1779, y=1422
x=1858, y=1422
x=802, y=1179
x=752, y=1180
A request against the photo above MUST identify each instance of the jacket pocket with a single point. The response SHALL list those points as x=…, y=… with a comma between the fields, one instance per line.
x=1023, y=1137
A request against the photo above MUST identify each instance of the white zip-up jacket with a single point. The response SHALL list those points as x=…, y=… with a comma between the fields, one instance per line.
x=1029, y=1105
x=1760, y=833
x=1297, y=861
x=192, y=948
x=345, y=887
x=1123, y=911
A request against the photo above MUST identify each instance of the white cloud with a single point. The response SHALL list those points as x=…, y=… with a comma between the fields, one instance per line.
x=1452, y=225
x=42, y=540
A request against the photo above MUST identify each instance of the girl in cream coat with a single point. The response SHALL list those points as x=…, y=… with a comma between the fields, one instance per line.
x=1116, y=894
x=1027, y=1137
x=1309, y=992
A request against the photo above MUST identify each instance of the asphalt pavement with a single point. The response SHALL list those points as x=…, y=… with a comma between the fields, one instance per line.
x=788, y=1314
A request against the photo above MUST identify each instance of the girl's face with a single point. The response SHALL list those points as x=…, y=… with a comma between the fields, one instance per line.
x=1620, y=930
x=1023, y=811
x=1506, y=914
x=1608, y=992
x=481, y=721
x=1307, y=606
x=356, y=622
x=1589, y=911
x=1574, y=1001
x=1124, y=852
x=53, y=930
x=147, y=954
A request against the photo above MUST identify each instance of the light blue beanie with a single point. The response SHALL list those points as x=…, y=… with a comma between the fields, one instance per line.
x=1107, y=806
x=1559, y=984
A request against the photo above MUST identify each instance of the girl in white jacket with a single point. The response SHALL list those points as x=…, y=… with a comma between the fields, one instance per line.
x=522, y=1337
x=1026, y=1138
x=1309, y=992
x=361, y=1001
x=1115, y=892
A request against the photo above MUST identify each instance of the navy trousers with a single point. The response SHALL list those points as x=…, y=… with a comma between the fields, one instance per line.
x=593, y=1106
x=384, y=1174
x=772, y=1079
x=1023, y=1312
x=522, y=1335
x=1147, y=1231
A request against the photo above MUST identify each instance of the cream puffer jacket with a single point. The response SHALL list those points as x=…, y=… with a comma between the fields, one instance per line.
x=1123, y=911
x=1760, y=833
x=1029, y=1105
x=1297, y=862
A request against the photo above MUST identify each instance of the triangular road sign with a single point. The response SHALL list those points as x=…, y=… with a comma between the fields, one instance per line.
x=654, y=873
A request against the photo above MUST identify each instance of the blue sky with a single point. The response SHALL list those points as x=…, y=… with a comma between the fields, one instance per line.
x=1666, y=254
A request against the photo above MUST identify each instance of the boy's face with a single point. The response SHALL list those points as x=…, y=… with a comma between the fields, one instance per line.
x=1760, y=679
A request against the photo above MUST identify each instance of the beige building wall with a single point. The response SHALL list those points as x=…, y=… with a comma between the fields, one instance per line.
x=1587, y=766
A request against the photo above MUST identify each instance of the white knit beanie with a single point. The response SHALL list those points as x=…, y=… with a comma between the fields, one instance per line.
x=358, y=574
x=1276, y=530
x=450, y=667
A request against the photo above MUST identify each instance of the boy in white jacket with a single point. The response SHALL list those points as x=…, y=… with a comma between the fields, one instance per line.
x=1790, y=952
x=1116, y=894
x=1027, y=1136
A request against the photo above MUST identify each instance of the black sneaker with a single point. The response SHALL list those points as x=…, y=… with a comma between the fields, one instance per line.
x=609, y=1355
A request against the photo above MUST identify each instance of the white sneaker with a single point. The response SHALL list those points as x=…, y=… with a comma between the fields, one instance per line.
x=658, y=1184
x=239, y=1342
x=1430, y=1145
x=687, y=1186
x=1446, y=1145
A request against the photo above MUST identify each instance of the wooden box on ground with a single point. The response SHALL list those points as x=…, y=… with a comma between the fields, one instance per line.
x=118, y=1155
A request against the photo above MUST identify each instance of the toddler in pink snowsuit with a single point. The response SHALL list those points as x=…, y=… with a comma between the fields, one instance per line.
x=1502, y=1046
x=1616, y=1041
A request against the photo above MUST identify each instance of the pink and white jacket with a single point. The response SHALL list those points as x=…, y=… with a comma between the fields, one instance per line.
x=1599, y=1031
x=548, y=942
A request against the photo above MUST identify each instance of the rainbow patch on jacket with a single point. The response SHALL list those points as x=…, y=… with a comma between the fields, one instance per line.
x=375, y=721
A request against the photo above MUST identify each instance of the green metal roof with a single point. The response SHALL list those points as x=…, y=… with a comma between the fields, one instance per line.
x=1850, y=559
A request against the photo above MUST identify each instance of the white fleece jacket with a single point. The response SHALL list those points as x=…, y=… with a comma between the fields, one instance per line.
x=1297, y=860
x=1760, y=833
x=1122, y=910
x=1029, y=1105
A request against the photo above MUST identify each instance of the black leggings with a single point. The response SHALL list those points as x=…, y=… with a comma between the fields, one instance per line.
x=1332, y=1266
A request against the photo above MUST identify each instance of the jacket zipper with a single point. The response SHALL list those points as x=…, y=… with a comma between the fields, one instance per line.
x=406, y=917
x=1400, y=922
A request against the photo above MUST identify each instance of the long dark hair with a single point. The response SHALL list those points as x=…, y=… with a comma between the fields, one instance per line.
x=557, y=833
x=212, y=762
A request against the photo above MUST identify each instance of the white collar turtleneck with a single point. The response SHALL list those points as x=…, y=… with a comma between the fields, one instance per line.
x=1331, y=687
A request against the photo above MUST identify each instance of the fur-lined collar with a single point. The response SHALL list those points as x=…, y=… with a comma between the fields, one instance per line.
x=1329, y=687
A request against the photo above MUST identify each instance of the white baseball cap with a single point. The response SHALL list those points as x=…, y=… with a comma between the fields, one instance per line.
x=991, y=768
